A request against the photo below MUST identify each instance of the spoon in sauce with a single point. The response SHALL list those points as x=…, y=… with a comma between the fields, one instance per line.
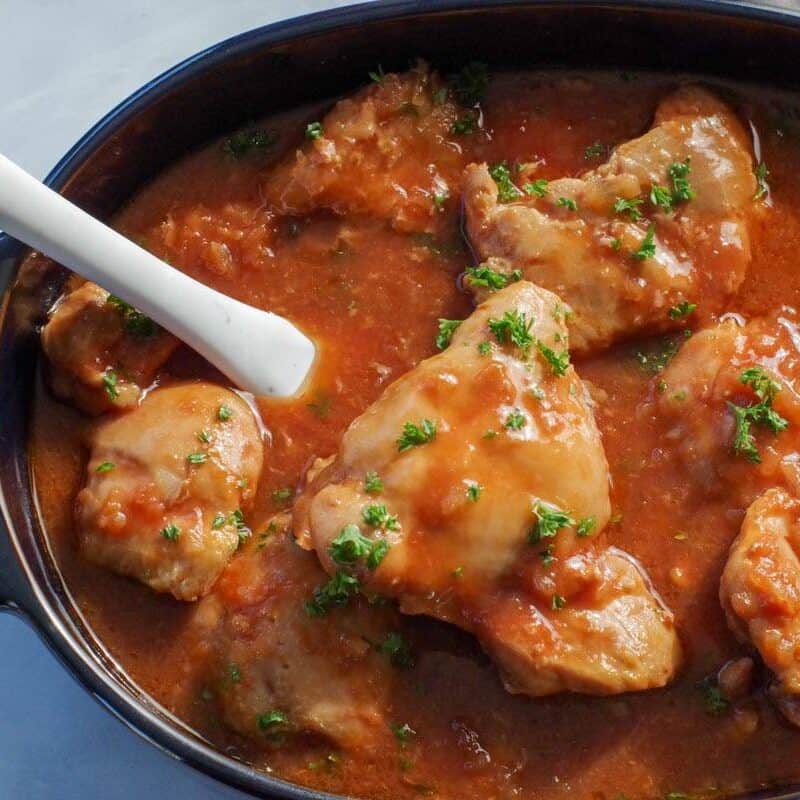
x=260, y=352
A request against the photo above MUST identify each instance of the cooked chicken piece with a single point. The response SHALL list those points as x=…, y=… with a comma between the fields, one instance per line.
x=383, y=152
x=760, y=586
x=622, y=271
x=488, y=474
x=166, y=485
x=102, y=352
x=726, y=365
x=284, y=671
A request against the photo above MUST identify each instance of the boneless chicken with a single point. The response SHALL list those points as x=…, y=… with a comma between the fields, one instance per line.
x=294, y=673
x=359, y=163
x=102, y=352
x=167, y=486
x=760, y=587
x=663, y=222
x=469, y=492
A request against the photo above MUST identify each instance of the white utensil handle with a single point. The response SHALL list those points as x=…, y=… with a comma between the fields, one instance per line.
x=273, y=358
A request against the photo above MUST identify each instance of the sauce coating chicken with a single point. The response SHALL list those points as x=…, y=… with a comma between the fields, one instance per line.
x=102, y=352
x=476, y=478
x=731, y=399
x=663, y=222
x=285, y=672
x=166, y=485
x=760, y=587
x=358, y=163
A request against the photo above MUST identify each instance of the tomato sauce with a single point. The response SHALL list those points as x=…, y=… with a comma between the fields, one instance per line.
x=370, y=296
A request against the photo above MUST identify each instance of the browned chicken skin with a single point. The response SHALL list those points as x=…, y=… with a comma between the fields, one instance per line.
x=621, y=271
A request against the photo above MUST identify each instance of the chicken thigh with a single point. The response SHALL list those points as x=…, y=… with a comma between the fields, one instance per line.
x=663, y=223
x=361, y=162
x=102, y=352
x=467, y=492
x=166, y=487
x=760, y=588
x=283, y=672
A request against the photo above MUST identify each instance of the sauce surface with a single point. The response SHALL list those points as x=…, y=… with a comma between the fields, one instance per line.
x=370, y=296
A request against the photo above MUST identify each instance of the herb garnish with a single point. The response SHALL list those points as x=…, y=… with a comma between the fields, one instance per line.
x=336, y=592
x=110, y=384
x=372, y=483
x=559, y=362
x=224, y=413
x=506, y=190
x=683, y=309
x=465, y=124
x=271, y=720
x=715, y=701
x=515, y=420
x=586, y=526
x=762, y=173
x=197, y=458
x=594, y=151
x=568, y=203
x=377, y=516
x=558, y=602
x=106, y=466
x=647, y=249
x=630, y=207
x=314, y=130
x=549, y=521
x=414, y=435
x=537, y=188
x=447, y=327
x=491, y=279
x=474, y=490
x=133, y=321
x=171, y=532
x=513, y=327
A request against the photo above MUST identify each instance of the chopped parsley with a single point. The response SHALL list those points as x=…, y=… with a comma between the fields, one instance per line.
x=397, y=649
x=336, y=592
x=106, y=466
x=661, y=197
x=465, y=124
x=377, y=75
x=415, y=435
x=549, y=521
x=271, y=720
x=282, y=495
x=491, y=279
x=474, y=490
x=515, y=420
x=470, y=84
x=647, y=249
x=630, y=207
x=110, y=384
x=616, y=243
x=760, y=413
x=547, y=556
x=559, y=362
x=403, y=733
x=506, y=190
x=484, y=348
x=594, y=151
x=314, y=130
x=350, y=546
x=568, y=203
x=133, y=321
x=372, y=483
x=513, y=327
x=714, y=698
x=558, y=602
x=377, y=516
x=762, y=173
x=218, y=521
x=203, y=436
x=682, y=190
x=586, y=526
x=244, y=142
x=683, y=309
x=224, y=413
x=171, y=532
x=197, y=458
x=538, y=188
x=447, y=327
x=236, y=518
x=439, y=199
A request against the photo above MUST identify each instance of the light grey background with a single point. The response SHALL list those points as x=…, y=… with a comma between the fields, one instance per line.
x=63, y=65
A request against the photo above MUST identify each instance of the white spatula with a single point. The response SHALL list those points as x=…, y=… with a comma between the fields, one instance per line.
x=259, y=351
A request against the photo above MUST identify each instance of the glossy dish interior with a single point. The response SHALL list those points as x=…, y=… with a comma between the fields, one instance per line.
x=370, y=283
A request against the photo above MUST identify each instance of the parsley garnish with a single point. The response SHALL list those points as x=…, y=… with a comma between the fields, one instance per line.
x=484, y=348
x=465, y=124
x=282, y=495
x=224, y=413
x=243, y=142
x=491, y=279
x=559, y=362
x=336, y=592
x=350, y=545
x=681, y=188
x=218, y=521
x=396, y=648
x=515, y=420
x=314, y=130
x=549, y=521
x=203, y=436
x=110, y=384
x=661, y=197
x=403, y=733
x=447, y=327
x=762, y=173
x=377, y=516
x=547, y=556
x=683, y=309
x=586, y=526
x=197, y=458
x=558, y=602
x=760, y=413
x=506, y=191
x=106, y=466
x=372, y=483
x=537, y=187
x=271, y=720
x=568, y=203
x=474, y=490
x=376, y=76
x=594, y=151
x=514, y=327
x=469, y=85
x=414, y=435
x=630, y=207
x=133, y=321
x=171, y=532
x=647, y=249
x=439, y=199
x=715, y=701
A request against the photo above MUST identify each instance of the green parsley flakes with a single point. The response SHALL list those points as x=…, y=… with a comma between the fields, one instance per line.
x=415, y=435
x=272, y=720
x=106, y=466
x=372, y=483
x=336, y=592
x=171, y=532
x=537, y=188
x=485, y=276
x=760, y=413
x=314, y=130
x=683, y=309
x=506, y=190
x=197, y=458
x=224, y=413
x=630, y=207
x=568, y=203
x=110, y=384
x=559, y=362
x=377, y=516
x=447, y=327
x=515, y=420
x=469, y=85
x=513, y=327
x=762, y=173
x=558, y=602
x=549, y=521
x=585, y=527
